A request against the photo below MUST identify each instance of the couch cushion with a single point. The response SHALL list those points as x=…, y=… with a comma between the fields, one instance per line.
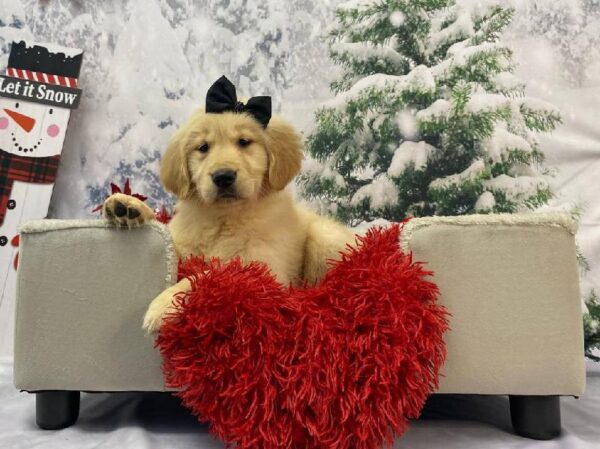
x=511, y=283
x=83, y=288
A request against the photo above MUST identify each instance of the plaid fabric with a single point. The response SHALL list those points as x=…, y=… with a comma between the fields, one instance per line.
x=37, y=170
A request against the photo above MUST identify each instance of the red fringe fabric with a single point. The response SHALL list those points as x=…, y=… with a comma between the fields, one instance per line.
x=342, y=365
x=163, y=215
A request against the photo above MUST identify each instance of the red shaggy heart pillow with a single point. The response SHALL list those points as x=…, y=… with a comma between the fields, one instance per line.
x=342, y=365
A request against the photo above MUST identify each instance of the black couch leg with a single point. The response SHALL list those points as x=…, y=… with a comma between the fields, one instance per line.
x=536, y=417
x=56, y=409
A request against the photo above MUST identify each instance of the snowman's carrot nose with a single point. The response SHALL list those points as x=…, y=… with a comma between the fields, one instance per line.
x=24, y=121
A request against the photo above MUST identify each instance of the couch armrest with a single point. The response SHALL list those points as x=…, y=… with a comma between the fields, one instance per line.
x=83, y=288
x=511, y=283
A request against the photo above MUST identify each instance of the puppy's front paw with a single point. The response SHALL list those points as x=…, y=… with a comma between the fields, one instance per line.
x=159, y=307
x=163, y=304
x=152, y=321
x=125, y=210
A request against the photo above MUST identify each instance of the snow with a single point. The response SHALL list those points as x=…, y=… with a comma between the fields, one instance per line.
x=508, y=82
x=356, y=4
x=480, y=8
x=12, y=11
x=366, y=173
x=363, y=51
x=537, y=105
x=485, y=202
x=380, y=193
x=474, y=170
x=418, y=78
x=362, y=24
x=410, y=153
x=501, y=142
x=462, y=56
x=407, y=124
x=69, y=52
x=440, y=108
x=479, y=103
x=519, y=187
x=324, y=170
x=397, y=18
x=568, y=30
x=364, y=226
x=461, y=28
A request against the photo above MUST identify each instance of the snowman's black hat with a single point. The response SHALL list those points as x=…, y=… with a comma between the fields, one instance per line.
x=38, y=59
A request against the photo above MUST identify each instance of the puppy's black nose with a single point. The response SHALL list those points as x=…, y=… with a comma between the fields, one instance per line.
x=224, y=178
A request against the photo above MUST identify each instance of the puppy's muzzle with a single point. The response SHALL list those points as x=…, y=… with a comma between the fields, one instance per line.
x=224, y=178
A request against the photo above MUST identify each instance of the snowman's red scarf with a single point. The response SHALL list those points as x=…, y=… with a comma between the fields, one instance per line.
x=36, y=170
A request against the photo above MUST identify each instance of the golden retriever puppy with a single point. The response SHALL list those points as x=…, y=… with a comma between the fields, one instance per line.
x=229, y=175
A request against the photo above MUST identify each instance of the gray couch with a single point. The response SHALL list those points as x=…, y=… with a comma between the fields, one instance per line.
x=510, y=282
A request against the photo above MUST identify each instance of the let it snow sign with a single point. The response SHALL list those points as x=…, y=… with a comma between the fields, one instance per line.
x=53, y=95
x=37, y=94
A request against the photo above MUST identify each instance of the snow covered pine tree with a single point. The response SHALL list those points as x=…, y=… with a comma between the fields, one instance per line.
x=428, y=118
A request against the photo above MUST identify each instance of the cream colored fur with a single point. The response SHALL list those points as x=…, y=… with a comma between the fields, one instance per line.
x=261, y=222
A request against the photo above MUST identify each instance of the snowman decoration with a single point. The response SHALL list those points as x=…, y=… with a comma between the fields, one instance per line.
x=32, y=136
x=36, y=97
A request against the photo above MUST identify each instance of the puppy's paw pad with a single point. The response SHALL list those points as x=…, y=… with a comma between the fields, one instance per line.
x=120, y=209
x=133, y=213
x=127, y=211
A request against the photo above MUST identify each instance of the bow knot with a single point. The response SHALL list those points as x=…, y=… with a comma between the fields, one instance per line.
x=239, y=106
x=221, y=97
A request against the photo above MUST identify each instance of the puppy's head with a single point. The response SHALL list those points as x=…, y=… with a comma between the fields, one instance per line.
x=228, y=157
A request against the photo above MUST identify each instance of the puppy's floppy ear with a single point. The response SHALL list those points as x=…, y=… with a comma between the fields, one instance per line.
x=174, y=172
x=285, y=152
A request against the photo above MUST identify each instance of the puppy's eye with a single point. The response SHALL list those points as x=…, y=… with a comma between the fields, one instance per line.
x=203, y=148
x=244, y=142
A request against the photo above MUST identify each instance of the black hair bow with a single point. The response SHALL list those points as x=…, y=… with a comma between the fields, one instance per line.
x=221, y=98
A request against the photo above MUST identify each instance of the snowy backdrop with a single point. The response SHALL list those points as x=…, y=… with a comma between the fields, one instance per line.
x=148, y=64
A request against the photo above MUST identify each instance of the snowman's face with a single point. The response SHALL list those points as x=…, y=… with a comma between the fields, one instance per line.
x=31, y=129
